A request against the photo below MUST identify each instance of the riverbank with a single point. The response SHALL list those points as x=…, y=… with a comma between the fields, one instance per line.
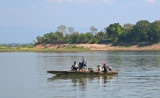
x=85, y=47
x=35, y=49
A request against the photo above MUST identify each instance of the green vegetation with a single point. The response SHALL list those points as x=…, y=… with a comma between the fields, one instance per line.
x=34, y=49
x=142, y=34
x=75, y=47
x=142, y=31
x=17, y=45
x=2, y=47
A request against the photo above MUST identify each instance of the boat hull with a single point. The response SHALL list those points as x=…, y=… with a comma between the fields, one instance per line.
x=82, y=72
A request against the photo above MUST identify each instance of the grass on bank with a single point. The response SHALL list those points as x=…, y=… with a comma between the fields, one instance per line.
x=34, y=49
x=74, y=47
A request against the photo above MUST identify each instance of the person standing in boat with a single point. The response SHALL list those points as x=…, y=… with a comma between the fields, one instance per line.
x=104, y=67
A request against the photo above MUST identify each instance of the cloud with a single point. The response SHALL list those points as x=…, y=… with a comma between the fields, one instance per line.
x=110, y=2
x=59, y=1
x=151, y=1
x=154, y=2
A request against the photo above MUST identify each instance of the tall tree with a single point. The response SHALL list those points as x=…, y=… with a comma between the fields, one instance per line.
x=89, y=36
x=128, y=26
x=41, y=40
x=157, y=23
x=93, y=30
x=74, y=38
x=82, y=38
x=140, y=30
x=100, y=35
x=71, y=30
x=66, y=38
x=114, y=31
x=62, y=28
x=154, y=33
x=59, y=35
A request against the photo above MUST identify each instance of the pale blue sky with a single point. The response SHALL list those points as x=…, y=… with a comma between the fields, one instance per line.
x=22, y=20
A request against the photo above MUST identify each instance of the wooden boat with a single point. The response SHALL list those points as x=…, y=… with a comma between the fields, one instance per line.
x=82, y=72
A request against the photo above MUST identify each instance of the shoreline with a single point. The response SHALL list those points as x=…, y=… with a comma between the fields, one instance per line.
x=81, y=48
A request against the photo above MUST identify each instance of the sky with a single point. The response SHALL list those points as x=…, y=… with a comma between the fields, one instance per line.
x=21, y=21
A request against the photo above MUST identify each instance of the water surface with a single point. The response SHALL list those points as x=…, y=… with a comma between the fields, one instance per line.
x=23, y=75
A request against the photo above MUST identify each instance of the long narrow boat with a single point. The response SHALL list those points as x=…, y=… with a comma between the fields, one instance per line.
x=82, y=72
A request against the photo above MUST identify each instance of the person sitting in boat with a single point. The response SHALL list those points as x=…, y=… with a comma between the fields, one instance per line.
x=99, y=68
x=75, y=66
x=105, y=68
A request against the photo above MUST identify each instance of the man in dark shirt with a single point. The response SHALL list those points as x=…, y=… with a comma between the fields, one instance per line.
x=104, y=67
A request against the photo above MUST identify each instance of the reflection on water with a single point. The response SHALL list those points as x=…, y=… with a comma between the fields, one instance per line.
x=23, y=75
x=82, y=81
x=138, y=71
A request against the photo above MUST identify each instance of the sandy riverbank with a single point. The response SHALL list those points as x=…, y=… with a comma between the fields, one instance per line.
x=85, y=47
x=106, y=47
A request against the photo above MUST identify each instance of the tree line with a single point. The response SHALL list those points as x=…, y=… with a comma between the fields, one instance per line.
x=17, y=45
x=142, y=31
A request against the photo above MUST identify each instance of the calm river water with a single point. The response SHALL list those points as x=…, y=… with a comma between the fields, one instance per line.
x=23, y=75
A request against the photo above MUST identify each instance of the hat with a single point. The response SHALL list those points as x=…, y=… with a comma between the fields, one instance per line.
x=104, y=63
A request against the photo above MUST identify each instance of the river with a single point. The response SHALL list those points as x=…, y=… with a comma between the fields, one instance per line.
x=23, y=75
